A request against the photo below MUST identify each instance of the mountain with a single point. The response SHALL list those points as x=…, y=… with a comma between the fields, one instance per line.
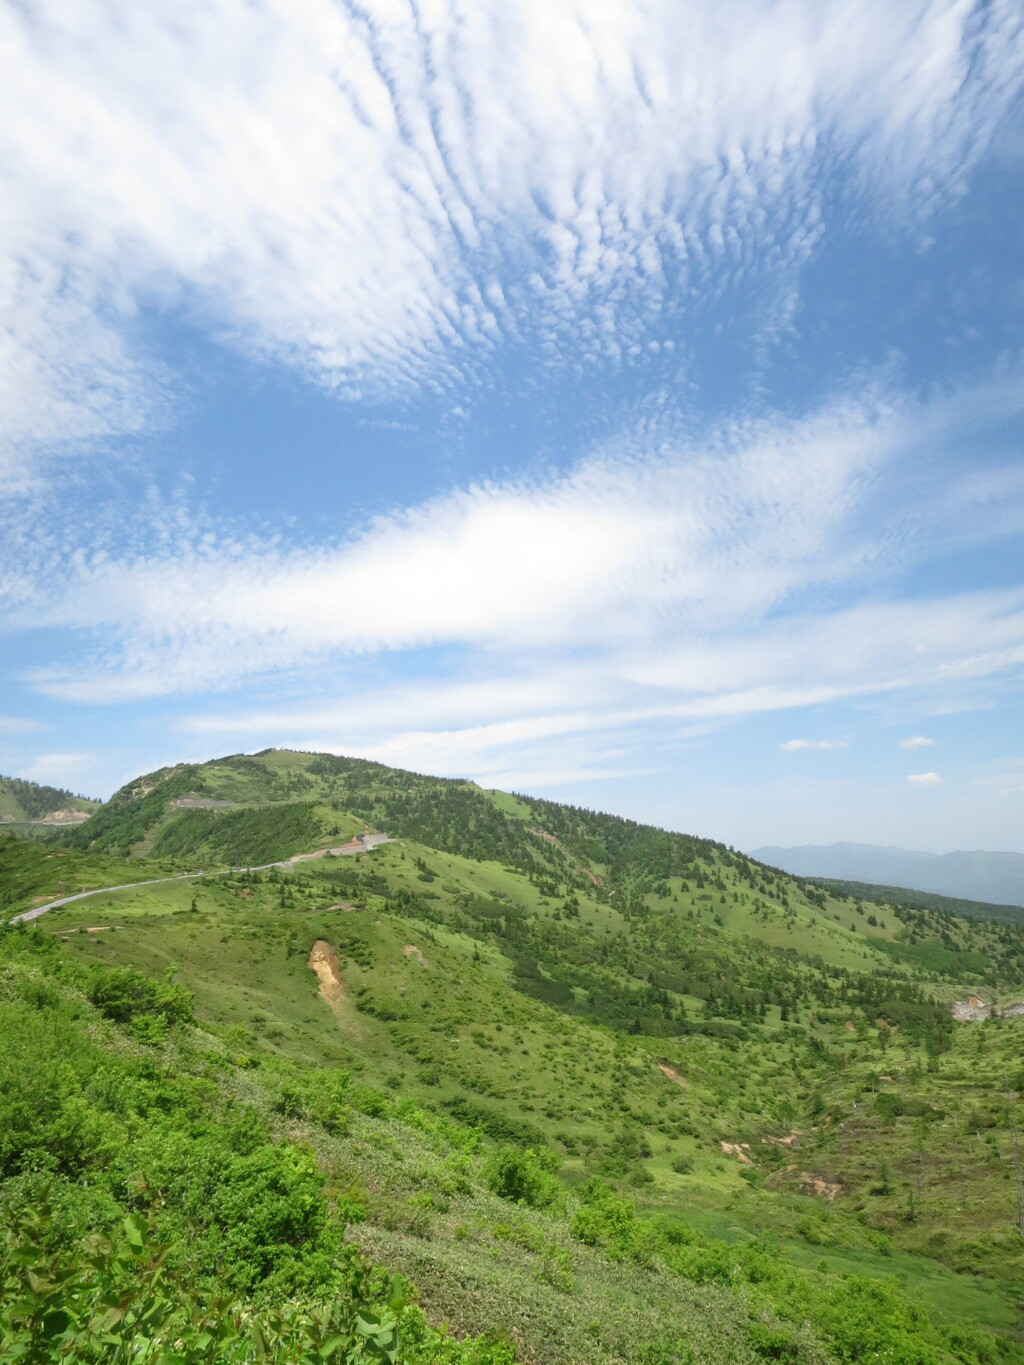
x=977, y=876
x=23, y=802
x=347, y=1063
x=930, y=900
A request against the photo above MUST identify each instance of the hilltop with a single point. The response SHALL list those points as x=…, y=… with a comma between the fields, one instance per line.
x=600, y=1092
x=24, y=802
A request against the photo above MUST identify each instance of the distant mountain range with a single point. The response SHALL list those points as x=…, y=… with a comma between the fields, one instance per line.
x=978, y=875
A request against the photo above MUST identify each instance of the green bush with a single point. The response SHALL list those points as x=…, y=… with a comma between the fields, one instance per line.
x=124, y=994
x=496, y=1123
x=111, y=1301
x=52, y=1113
x=525, y=1177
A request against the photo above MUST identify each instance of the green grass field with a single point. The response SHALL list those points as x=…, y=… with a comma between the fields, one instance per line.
x=737, y=1055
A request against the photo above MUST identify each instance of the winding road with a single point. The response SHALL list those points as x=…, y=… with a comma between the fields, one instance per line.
x=365, y=844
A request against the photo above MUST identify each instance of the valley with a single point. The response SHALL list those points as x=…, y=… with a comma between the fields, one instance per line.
x=580, y=1089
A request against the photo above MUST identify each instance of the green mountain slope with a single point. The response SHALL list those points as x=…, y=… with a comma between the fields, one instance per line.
x=929, y=900
x=598, y=1091
x=22, y=802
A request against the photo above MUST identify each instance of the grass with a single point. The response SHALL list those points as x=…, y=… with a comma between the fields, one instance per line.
x=540, y=998
x=458, y=1026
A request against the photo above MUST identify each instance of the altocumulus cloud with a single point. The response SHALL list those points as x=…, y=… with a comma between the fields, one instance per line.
x=679, y=575
x=924, y=779
x=374, y=194
x=391, y=200
x=916, y=742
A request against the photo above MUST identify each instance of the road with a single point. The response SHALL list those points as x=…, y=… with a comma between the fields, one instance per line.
x=367, y=842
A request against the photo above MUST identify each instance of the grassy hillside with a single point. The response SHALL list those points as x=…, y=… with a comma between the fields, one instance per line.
x=23, y=802
x=928, y=900
x=598, y=1091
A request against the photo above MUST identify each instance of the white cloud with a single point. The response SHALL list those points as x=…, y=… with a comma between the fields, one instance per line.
x=20, y=725
x=924, y=779
x=1006, y=780
x=377, y=197
x=386, y=709
x=916, y=742
x=700, y=537
x=792, y=745
x=59, y=770
x=710, y=580
x=856, y=650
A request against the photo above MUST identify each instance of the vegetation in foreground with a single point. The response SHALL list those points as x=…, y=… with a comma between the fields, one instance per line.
x=556, y=1087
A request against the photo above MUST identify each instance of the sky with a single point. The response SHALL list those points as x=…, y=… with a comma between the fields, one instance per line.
x=618, y=401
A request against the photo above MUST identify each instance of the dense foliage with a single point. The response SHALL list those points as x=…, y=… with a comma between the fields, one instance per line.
x=148, y=1219
x=260, y=834
x=131, y=813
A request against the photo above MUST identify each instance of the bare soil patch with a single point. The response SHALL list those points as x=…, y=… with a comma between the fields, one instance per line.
x=818, y=1185
x=790, y=1140
x=740, y=1150
x=323, y=960
x=411, y=950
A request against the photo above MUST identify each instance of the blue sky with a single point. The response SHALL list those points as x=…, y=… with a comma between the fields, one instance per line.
x=615, y=401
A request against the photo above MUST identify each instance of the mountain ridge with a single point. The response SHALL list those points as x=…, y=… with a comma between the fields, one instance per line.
x=26, y=802
x=976, y=874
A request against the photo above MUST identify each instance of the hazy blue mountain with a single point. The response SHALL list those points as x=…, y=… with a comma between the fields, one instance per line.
x=977, y=875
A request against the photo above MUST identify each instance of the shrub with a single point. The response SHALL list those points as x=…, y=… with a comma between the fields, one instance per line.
x=555, y=1269
x=525, y=1177
x=124, y=993
x=110, y=1300
x=495, y=1122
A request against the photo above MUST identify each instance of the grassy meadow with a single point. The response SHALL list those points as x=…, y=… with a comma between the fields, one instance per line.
x=580, y=1090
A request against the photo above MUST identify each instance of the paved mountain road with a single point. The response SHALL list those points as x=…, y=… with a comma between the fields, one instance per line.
x=363, y=844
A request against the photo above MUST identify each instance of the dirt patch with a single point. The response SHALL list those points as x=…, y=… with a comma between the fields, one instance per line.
x=790, y=1140
x=671, y=1073
x=543, y=834
x=98, y=929
x=323, y=852
x=360, y=843
x=411, y=950
x=740, y=1150
x=587, y=873
x=971, y=1010
x=323, y=960
x=818, y=1185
